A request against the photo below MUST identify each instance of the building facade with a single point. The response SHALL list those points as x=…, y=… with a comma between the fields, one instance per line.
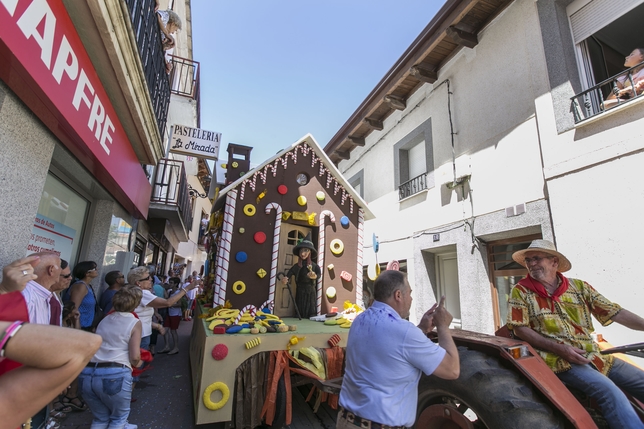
x=481, y=138
x=84, y=108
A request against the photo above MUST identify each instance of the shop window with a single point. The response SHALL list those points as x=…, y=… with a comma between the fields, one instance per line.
x=60, y=221
x=118, y=240
x=605, y=32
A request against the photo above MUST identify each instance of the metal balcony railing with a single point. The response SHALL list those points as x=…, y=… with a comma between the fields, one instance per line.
x=413, y=186
x=184, y=80
x=148, y=40
x=170, y=187
x=606, y=95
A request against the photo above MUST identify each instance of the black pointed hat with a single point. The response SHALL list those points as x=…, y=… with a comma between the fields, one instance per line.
x=305, y=243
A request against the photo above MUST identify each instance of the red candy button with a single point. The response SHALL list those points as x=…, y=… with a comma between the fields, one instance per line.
x=259, y=237
x=282, y=189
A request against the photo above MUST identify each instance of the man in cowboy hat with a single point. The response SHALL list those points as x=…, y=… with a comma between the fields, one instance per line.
x=552, y=313
x=306, y=273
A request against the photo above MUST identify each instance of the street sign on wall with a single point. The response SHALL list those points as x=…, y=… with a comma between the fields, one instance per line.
x=195, y=142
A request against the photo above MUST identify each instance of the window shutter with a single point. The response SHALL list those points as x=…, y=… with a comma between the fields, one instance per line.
x=596, y=15
x=417, y=162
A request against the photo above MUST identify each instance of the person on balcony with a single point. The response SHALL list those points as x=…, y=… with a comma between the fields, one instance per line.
x=623, y=89
x=169, y=23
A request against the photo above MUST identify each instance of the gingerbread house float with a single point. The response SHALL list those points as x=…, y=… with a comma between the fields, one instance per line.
x=261, y=216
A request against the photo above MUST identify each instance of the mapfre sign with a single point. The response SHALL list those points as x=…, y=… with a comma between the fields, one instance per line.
x=195, y=142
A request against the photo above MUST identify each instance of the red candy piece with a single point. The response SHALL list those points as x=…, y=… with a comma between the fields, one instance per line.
x=219, y=329
x=259, y=237
x=282, y=189
x=334, y=340
x=346, y=276
x=219, y=352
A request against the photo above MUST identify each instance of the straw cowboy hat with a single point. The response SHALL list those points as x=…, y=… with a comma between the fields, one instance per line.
x=306, y=243
x=544, y=246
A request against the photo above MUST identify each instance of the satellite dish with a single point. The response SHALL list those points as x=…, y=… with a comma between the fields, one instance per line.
x=376, y=243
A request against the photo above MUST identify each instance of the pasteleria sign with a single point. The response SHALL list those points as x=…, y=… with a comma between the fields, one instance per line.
x=195, y=142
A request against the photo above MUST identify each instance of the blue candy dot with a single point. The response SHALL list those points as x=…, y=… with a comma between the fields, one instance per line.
x=241, y=257
x=344, y=221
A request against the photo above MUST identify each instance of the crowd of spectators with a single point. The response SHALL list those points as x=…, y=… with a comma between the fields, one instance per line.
x=96, y=343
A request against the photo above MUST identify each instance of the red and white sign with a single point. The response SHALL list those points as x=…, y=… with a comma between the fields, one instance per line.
x=44, y=61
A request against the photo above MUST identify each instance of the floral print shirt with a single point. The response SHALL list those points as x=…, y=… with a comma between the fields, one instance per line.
x=566, y=322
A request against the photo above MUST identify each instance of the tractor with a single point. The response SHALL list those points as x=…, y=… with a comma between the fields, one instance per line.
x=505, y=384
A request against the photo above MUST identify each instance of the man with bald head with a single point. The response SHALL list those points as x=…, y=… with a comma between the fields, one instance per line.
x=37, y=293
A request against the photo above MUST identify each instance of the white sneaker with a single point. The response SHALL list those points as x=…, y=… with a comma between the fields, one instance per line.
x=130, y=426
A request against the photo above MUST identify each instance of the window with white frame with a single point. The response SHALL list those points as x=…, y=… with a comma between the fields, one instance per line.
x=413, y=157
x=606, y=33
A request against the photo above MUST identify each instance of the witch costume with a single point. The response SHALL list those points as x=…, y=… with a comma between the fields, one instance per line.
x=305, y=296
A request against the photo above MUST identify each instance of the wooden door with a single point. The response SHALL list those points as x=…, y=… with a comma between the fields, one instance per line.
x=290, y=235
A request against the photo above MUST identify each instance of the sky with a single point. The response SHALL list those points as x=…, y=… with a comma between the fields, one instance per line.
x=274, y=70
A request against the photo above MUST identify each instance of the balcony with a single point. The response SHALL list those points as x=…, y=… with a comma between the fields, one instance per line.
x=171, y=197
x=184, y=81
x=148, y=40
x=412, y=187
x=607, y=95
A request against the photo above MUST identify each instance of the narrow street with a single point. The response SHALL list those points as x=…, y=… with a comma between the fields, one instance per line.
x=164, y=397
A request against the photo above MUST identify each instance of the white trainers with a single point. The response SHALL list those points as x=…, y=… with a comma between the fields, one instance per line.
x=130, y=426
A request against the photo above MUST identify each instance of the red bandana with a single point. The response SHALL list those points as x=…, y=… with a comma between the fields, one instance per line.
x=540, y=290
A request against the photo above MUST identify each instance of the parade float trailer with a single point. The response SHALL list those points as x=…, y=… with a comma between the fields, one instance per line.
x=256, y=222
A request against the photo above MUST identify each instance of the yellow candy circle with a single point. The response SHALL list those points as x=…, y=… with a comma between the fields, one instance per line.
x=249, y=210
x=330, y=292
x=320, y=196
x=239, y=287
x=337, y=246
x=225, y=394
x=301, y=200
x=235, y=164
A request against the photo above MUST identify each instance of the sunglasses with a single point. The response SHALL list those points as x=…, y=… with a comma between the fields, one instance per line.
x=91, y=269
x=145, y=279
x=66, y=276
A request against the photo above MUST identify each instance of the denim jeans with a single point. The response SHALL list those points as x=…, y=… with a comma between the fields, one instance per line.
x=108, y=392
x=614, y=405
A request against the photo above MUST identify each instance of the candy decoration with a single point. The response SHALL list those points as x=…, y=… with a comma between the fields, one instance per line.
x=259, y=237
x=253, y=343
x=219, y=352
x=282, y=328
x=330, y=292
x=293, y=341
x=301, y=200
x=249, y=210
x=254, y=330
x=334, y=340
x=261, y=195
x=282, y=189
x=292, y=327
x=337, y=246
x=320, y=195
x=330, y=267
x=344, y=221
x=235, y=164
x=221, y=329
x=346, y=276
x=225, y=394
x=276, y=245
x=393, y=265
x=224, y=248
x=359, y=258
x=234, y=329
x=241, y=257
x=301, y=216
x=239, y=287
x=321, y=239
x=251, y=309
x=242, y=230
x=261, y=273
x=286, y=215
x=311, y=219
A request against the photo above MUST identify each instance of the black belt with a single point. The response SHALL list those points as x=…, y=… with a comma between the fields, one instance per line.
x=106, y=365
x=364, y=423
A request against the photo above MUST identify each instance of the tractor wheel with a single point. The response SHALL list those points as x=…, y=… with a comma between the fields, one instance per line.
x=486, y=395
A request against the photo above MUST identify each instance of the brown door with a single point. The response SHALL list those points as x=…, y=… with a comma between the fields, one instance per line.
x=290, y=235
